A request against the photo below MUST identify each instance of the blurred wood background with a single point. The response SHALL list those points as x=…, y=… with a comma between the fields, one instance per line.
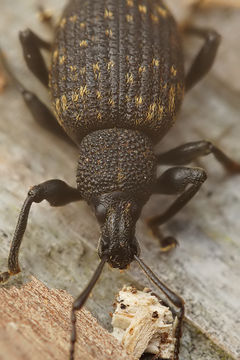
x=59, y=247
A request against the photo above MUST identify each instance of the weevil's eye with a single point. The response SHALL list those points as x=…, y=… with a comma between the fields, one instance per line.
x=101, y=212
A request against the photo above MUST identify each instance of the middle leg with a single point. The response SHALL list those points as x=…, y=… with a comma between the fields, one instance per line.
x=178, y=180
x=184, y=154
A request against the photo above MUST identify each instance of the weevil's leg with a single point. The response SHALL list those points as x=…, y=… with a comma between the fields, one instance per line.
x=177, y=180
x=205, y=57
x=57, y=193
x=184, y=154
x=41, y=114
x=31, y=45
x=174, y=298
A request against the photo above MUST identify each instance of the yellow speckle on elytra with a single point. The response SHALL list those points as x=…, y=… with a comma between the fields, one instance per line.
x=142, y=9
x=109, y=32
x=83, y=43
x=151, y=111
x=141, y=69
x=171, y=99
x=110, y=65
x=111, y=102
x=55, y=55
x=63, y=22
x=154, y=18
x=160, y=111
x=163, y=12
x=57, y=105
x=127, y=98
x=96, y=67
x=138, y=100
x=130, y=3
x=73, y=68
x=129, y=78
x=62, y=59
x=64, y=102
x=99, y=116
x=73, y=18
x=82, y=70
x=99, y=96
x=83, y=91
x=155, y=62
x=75, y=96
x=108, y=14
x=129, y=18
x=82, y=25
x=173, y=71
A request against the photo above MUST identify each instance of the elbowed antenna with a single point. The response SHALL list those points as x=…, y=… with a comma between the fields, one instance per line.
x=80, y=301
x=173, y=297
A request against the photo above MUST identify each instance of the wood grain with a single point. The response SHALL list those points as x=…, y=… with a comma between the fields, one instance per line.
x=35, y=325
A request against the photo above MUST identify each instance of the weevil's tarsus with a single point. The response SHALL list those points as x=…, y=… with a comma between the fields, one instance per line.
x=80, y=301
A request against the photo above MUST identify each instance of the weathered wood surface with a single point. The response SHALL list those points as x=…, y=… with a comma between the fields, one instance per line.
x=35, y=326
x=59, y=246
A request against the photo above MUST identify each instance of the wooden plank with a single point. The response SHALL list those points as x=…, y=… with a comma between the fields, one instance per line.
x=35, y=324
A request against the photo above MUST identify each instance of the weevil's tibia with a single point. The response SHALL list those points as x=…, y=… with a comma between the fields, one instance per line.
x=205, y=57
x=57, y=193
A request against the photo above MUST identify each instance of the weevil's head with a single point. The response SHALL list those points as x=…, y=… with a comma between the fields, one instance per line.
x=117, y=215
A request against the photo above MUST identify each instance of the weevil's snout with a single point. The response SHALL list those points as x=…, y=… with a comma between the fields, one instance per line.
x=119, y=254
x=118, y=242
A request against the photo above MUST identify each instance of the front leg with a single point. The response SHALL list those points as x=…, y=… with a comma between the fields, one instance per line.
x=178, y=180
x=57, y=193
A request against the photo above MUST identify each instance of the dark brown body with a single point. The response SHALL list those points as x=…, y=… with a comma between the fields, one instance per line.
x=117, y=63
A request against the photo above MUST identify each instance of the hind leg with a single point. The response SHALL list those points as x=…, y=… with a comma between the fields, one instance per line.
x=40, y=112
x=31, y=46
x=205, y=57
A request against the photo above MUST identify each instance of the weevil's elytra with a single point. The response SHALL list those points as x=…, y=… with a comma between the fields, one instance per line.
x=117, y=83
x=128, y=50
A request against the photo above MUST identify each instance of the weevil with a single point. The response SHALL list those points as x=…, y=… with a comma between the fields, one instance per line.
x=117, y=82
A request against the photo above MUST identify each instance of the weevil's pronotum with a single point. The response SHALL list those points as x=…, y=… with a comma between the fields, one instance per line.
x=117, y=82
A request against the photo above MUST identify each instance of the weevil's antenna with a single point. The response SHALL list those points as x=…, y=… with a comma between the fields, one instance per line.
x=173, y=297
x=80, y=301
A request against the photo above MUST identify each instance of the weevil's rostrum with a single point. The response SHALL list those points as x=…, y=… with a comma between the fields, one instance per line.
x=117, y=64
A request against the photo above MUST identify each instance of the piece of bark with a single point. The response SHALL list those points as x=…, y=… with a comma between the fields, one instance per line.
x=35, y=324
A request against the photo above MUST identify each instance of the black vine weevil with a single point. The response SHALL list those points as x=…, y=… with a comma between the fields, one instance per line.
x=145, y=92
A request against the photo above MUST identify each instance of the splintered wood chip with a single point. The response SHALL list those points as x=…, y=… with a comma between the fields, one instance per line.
x=142, y=324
